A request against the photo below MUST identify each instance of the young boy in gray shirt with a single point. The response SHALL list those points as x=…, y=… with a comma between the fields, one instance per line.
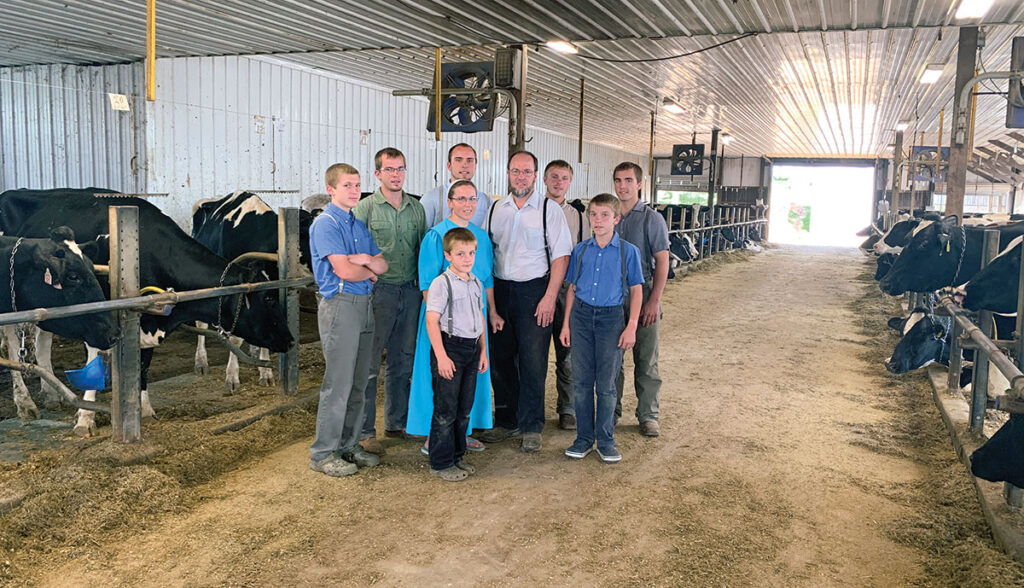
x=455, y=325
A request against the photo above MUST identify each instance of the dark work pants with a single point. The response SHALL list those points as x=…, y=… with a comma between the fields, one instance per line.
x=563, y=359
x=519, y=356
x=453, y=401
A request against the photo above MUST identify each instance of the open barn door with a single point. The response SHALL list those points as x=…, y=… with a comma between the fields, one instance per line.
x=820, y=203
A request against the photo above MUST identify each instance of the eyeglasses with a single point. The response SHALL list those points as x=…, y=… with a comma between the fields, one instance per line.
x=463, y=199
x=522, y=172
x=393, y=170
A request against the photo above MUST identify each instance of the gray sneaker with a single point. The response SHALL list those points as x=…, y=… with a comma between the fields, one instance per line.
x=531, y=442
x=497, y=434
x=332, y=465
x=361, y=457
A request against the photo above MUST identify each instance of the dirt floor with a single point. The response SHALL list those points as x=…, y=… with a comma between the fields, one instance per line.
x=788, y=457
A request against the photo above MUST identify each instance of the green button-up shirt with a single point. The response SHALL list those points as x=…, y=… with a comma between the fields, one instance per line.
x=398, y=233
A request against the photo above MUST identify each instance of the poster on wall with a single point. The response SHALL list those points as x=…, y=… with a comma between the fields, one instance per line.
x=800, y=217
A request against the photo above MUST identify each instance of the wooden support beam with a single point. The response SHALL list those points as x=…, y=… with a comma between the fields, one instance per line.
x=289, y=267
x=956, y=177
x=125, y=407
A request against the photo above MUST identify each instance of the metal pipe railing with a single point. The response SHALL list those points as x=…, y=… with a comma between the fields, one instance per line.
x=143, y=302
x=985, y=345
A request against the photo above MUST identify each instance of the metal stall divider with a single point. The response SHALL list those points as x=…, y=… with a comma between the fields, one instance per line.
x=1015, y=496
x=979, y=387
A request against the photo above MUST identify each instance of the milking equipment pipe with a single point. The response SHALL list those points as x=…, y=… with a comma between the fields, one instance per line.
x=995, y=355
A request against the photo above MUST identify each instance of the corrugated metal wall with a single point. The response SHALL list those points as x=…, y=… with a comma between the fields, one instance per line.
x=224, y=123
x=57, y=128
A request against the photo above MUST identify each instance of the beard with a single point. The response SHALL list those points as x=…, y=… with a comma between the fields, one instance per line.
x=522, y=193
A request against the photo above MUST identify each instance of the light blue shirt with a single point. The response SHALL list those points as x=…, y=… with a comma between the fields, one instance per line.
x=336, y=232
x=430, y=202
x=432, y=261
x=597, y=271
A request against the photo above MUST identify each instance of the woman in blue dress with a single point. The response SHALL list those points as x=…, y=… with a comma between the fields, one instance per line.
x=431, y=264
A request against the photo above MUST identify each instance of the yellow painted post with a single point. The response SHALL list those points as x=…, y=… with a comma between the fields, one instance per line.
x=151, y=50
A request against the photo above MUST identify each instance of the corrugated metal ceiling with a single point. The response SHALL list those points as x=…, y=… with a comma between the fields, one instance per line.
x=822, y=77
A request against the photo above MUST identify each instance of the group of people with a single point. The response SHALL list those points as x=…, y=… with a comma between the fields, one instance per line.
x=464, y=295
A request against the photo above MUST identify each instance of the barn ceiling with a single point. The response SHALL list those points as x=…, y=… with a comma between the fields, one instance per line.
x=794, y=77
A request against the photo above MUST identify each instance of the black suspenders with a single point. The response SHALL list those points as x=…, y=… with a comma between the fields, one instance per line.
x=544, y=224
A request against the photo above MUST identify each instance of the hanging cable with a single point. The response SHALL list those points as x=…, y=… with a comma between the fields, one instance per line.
x=667, y=57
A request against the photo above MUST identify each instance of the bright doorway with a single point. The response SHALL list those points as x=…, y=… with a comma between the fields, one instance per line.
x=820, y=204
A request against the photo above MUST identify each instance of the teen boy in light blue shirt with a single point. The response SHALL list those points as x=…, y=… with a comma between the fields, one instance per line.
x=603, y=271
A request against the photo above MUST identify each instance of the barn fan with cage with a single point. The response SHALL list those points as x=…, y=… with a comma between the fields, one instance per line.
x=466, y=113
x=687, y=160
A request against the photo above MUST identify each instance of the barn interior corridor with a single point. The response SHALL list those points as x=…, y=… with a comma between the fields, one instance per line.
x=788, y=457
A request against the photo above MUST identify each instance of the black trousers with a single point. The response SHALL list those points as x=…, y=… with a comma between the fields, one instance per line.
x=453, y=401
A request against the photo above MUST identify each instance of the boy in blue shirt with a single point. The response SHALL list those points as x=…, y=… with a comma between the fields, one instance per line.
x=455, y=325
x=346, y=263
x=603, y=270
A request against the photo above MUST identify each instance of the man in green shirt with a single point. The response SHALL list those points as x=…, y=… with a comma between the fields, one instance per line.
x=397, y=224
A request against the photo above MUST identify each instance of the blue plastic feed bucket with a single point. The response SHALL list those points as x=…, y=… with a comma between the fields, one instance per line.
x=92, y=377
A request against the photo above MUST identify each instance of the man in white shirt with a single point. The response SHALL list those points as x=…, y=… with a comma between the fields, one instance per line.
x=557, y=179
x=531, y=253
x=461, y=166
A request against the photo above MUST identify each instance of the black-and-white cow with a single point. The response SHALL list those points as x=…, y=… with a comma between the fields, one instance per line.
x=168, y=258
x=231, y=226
x=681, y=246
x=1001, y=458
x=925, y=341
x=995, y=287
x=942, y=254
x=48, y=273
x=315, y=204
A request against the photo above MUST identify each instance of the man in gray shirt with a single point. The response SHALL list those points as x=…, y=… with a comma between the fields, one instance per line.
x=645, y=228
x=461, y=166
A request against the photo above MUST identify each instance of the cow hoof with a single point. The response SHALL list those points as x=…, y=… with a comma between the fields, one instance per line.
x=148, y=419
x=85, y=430
x=201, y=369
x=267, y=381
x=28, y=413
x=232, y=387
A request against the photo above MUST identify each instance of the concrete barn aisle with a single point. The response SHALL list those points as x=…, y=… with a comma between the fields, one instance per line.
x=787, y=457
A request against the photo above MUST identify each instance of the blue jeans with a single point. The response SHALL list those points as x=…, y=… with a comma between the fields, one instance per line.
x=396, y=312
x=519, y=356
x=453, y=401
x=596, y=359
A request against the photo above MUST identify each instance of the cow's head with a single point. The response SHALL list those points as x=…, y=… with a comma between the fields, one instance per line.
x=885, y=262
x=929, y=261
x=54, y=272
x=261, y=319
x=925, y=341
x=682, y=247
x=995, y=287
x=1000, y=458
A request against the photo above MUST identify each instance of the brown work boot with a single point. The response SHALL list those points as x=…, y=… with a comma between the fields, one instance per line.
x=567, y=422
x=650, y=429
x=371, y=445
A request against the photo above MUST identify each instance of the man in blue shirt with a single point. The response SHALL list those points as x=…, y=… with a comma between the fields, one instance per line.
x=461, y=166
x=346, y=263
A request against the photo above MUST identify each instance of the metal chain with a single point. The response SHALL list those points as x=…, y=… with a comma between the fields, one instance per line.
x=220, y=303
x=22, y=350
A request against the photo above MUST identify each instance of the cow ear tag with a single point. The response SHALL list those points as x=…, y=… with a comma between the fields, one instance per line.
x=947, y=246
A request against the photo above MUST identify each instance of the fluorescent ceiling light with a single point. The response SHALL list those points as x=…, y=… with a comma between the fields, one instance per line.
x=563, y=47
x=672, y=106
x=902, y=126
x=726, y=138
x=973, y=8
x=932, y=73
